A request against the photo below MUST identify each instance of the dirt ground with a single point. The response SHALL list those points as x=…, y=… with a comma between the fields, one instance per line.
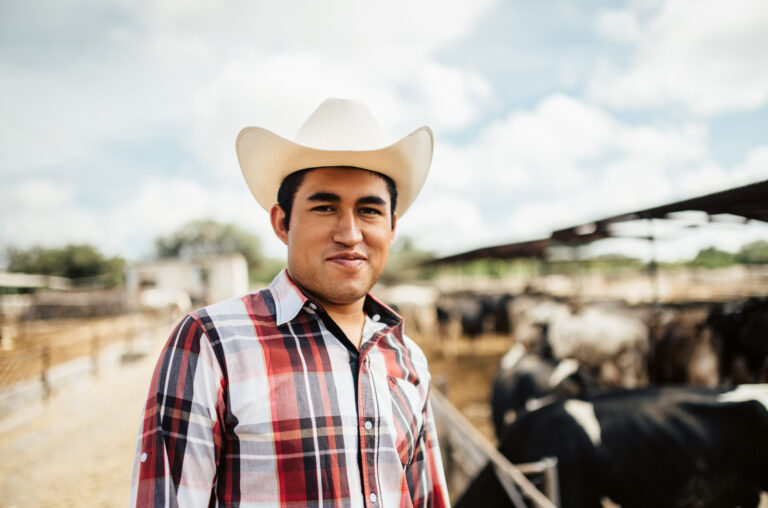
x=76, y=450
x=463, y=370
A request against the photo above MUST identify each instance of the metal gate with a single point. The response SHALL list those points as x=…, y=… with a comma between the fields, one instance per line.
x=467, y=451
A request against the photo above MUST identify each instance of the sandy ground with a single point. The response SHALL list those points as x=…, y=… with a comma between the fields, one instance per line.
x=77, y=449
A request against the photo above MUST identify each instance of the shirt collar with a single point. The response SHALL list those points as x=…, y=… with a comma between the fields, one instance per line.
x=289, y=300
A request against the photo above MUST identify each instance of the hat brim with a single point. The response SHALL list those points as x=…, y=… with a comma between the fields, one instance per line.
x=266, y=159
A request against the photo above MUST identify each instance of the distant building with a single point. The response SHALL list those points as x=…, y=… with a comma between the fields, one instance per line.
x=204, y=280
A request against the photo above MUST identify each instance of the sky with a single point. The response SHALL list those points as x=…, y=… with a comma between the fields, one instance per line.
x=118, y=119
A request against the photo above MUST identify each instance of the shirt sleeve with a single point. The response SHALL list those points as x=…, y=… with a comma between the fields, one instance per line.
x=180, y=433
x=425, y=476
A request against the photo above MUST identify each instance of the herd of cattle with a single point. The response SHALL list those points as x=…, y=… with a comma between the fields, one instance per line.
x=656, y=406
x=694, y=344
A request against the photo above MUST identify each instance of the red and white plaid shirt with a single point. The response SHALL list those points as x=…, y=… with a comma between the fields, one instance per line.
x=261, y=401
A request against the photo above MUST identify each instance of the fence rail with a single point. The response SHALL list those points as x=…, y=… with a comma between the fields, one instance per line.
x=46, y=351
x=466, y=448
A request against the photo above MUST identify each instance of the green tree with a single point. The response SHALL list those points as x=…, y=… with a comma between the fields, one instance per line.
x=80, y=262
x=205, y=237
x=753, y=253
x=712, y=257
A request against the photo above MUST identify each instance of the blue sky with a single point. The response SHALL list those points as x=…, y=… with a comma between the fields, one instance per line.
x=119, y=118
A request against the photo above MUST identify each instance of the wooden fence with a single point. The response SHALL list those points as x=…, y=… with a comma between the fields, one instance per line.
x=46, y=355
x=466, y=451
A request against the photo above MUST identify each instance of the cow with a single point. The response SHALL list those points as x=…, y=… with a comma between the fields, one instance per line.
x=527, y=380
x=741, y=333
x=682, y=349
x=416, y=304
x=476, y=313
x=609, y=341
x=531, y=315
x=497, y=307
x=472, y=311
x=662, y=447
x=613, y=342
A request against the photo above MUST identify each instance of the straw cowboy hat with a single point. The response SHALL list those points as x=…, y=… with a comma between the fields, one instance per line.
x=339, y=133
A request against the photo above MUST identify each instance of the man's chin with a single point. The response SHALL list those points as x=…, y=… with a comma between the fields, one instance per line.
x=346, y=293
x=339, y=293
x=346, y=297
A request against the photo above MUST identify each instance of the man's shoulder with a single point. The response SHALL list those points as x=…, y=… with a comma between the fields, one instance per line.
x=413, y=347
x=254, y=305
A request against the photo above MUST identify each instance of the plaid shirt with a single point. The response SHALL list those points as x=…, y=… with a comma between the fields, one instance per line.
x=262, y=401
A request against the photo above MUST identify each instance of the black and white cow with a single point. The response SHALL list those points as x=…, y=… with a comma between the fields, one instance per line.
x=611, y=340
x=528, y=380
x=660, y=447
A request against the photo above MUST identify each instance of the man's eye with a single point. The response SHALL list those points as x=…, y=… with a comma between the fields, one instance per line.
x=323, y=208
x=370, y=211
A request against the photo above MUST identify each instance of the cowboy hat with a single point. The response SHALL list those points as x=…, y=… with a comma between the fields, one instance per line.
x=339, y=133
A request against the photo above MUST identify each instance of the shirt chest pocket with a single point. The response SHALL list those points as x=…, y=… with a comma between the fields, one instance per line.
x=407, y=411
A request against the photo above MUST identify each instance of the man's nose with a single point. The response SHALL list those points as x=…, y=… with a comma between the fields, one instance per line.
x=347, y=231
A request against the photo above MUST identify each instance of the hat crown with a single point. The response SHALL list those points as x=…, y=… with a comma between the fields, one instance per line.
x=341, y=124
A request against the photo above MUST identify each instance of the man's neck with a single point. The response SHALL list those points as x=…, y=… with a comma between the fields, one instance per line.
x=350, y=318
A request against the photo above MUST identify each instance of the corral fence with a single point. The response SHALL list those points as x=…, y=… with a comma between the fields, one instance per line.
x=466, y=452
x=47, y=355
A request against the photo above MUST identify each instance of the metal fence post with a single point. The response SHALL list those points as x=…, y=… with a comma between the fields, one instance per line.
x=446, y=443
x=551, y=479
x=94, y=354
x=45, y=364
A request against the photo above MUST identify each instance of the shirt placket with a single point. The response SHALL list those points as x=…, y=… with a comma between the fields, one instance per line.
x=368, y=420
x=367, y=405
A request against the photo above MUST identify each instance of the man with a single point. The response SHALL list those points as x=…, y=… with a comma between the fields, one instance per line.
x=306, y=393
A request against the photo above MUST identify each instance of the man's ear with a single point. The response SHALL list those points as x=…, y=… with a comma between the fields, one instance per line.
x=277, y=217
x=394, y=223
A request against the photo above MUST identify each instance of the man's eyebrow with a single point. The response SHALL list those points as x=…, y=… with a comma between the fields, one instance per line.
x=371, y=200
x=324, y=196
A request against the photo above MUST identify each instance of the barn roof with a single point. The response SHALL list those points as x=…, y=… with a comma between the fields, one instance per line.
x=749, y=202
x=530, y=249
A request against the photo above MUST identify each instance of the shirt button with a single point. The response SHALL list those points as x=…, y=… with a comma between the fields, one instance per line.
x=376, y=317
x=143, y=457
x=373, y=497
x=368, y=425
x=312, y=306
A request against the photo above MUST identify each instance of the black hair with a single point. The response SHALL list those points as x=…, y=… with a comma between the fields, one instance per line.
x=291, y=183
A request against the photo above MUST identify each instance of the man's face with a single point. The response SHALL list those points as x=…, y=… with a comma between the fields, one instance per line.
x=339, y=233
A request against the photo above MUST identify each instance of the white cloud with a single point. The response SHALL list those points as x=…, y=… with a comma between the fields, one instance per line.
x=541, y=146
x=619, y=25
x=163, y=205
x=705, y=55
x=445, y=223
x=41, y=212
x=563, y=144
x=334, y=24
x=754, y=167
x=195, y=72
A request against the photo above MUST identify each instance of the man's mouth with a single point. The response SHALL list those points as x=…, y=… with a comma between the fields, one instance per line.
x=350, y=260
